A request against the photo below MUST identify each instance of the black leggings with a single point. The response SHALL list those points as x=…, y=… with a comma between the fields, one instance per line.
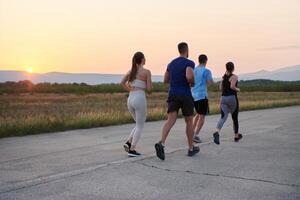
x=235, y=117
x=229, y=104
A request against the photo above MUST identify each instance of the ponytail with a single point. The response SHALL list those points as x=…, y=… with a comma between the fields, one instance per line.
x=229, y=67
x=136, y=60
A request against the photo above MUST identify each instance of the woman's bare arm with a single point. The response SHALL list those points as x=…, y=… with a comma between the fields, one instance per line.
x=233, y=81
x=124, y=82
x=149, y=81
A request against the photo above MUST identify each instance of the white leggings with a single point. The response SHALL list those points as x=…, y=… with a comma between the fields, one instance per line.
x=137, y=106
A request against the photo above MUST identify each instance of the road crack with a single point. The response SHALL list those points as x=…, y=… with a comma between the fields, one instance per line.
x=219, y=175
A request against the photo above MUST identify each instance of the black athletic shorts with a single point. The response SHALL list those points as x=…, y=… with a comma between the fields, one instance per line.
x=202, y=106
x=185, y=103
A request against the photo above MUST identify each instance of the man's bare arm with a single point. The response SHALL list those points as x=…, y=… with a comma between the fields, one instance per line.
x=210, y=82
x=167, y=77
x=189, y=74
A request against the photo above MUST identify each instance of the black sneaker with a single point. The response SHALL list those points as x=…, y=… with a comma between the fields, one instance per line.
x=159, y=148
x=127, y=146
x=194, y=151
x=216, y=138
x=196, y=139
x=240, y=136
x=133, y=153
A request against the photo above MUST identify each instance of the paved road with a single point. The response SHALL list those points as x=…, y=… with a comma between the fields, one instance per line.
x=90, y=164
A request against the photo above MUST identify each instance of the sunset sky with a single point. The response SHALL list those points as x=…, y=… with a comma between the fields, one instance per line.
x=100, y=36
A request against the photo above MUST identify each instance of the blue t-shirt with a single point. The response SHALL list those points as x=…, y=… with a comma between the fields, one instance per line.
x=179, y=85
x=202, y=75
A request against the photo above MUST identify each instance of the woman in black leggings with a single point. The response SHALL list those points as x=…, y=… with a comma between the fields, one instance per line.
x=229, y=103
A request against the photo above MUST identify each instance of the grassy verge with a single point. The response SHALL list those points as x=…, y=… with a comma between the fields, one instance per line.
x=26, y=114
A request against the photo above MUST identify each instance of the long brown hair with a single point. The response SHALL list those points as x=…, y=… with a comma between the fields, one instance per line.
x=137, y=59
x=229, y=68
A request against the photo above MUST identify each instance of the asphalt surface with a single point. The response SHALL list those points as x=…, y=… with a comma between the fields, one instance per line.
x=91, y=163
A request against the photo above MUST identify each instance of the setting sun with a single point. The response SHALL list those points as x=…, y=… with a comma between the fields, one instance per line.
x=29, y=70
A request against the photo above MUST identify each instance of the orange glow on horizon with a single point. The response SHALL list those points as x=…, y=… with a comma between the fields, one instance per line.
x=29, y=70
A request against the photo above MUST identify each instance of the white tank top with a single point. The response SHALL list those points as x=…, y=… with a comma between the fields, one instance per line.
x=139, y=83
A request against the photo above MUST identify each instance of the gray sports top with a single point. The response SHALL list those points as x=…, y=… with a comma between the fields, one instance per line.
x=139, y=83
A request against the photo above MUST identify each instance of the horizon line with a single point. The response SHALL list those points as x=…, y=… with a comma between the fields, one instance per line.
x=123, y=74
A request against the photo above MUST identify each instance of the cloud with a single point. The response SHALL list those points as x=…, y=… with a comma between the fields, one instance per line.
x=282, y=48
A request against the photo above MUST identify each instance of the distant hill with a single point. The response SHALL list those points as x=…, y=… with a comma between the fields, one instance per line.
x=60, y=77
x=291, y=73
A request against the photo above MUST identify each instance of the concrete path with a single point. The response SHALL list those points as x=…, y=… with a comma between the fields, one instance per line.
x=91, y=164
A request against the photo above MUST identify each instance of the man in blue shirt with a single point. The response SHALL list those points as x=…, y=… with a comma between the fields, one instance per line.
x=203, y=78
x=180, y=76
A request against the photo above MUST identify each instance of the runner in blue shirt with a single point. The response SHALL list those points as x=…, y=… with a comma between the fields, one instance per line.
x=203, y=78
x=180, y=76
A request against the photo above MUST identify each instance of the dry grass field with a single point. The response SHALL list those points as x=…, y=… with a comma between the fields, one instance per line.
x=25, y=114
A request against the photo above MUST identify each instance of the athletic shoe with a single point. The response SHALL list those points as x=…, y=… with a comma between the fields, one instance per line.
x=196, y=139
x=216, y=138
x=133, y=153
x=127, y=146
x=159, y=148
x=240, y=136
x=194, y=151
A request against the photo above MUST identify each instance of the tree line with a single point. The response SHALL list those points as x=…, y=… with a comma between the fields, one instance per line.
x=26, y=86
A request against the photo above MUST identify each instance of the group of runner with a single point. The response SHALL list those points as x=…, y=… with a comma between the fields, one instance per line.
x=187, y=91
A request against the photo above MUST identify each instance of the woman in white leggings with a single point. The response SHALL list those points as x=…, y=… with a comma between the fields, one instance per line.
x=136, y=81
